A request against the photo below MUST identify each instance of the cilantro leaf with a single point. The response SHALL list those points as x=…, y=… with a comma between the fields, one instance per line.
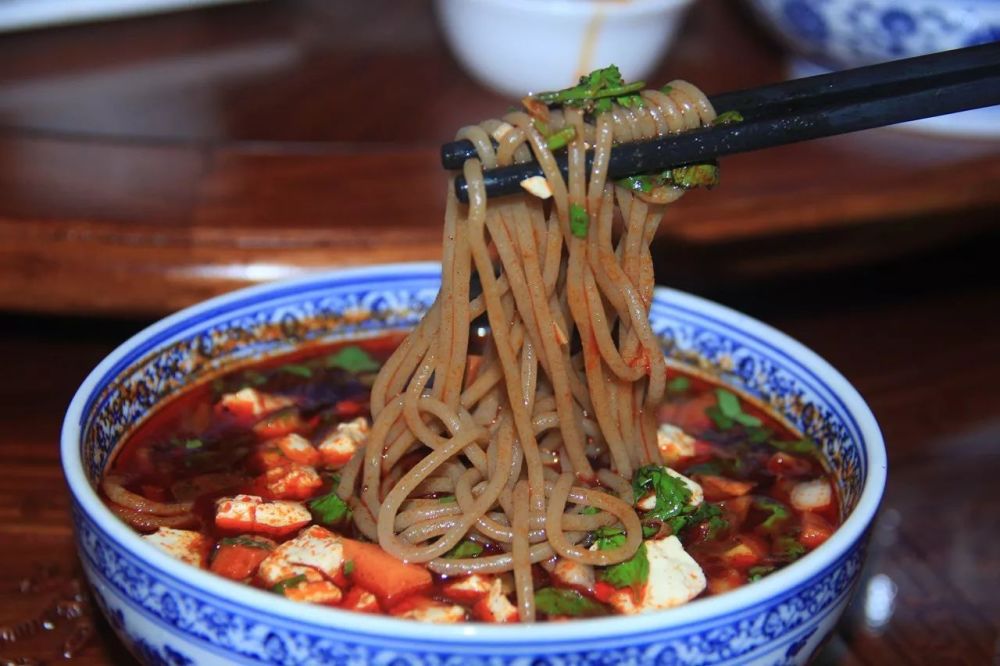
x=633, y=572
x=579, y=221
x=589, y=511
x=607, y=538
x=778, y=511
x=288, y=583
x=679, y=384
x=728, y=412
x=193, y=444
x=595, y=92
x=354, y=359
x=803, y=446
x=348, y=567
x=561, y=601
x=672, y=494
x=728, y=117
x=298, y=370
x=330, y=509
x=789, y=548
x=464, y=549
x=756, y=573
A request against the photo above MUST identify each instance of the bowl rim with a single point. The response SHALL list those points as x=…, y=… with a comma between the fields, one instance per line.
x=703, y=612
x=564, y=8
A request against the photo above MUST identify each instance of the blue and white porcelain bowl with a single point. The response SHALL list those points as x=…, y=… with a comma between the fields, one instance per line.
x=170, y=613
x=836, y=34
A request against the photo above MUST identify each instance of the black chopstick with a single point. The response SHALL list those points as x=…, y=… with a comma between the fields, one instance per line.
x=803, y=109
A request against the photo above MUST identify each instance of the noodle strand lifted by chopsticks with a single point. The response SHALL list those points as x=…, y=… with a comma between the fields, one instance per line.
x=534, y=430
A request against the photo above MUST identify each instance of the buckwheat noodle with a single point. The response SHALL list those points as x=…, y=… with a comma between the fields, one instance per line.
x=529, y=433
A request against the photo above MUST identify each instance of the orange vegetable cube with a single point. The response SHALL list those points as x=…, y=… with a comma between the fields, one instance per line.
x=239, y=561
x=719, y=487
x=382, y=574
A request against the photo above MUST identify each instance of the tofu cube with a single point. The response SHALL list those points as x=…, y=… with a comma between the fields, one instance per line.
x=674, y=443
x=811, y=495
x=315, y=592
x=573, y=574
x=298, y=449
x=293, y=481
x=469, y=588
x=185, y=545
x=674, y=579
x=339, y=446
x=315, y=553
x=424, y=609
x=250, y=403
x=250, y=513
x=495, y=606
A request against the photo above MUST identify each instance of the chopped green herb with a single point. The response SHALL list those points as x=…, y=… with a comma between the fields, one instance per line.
x=695, y=175
x=579, y=221
x=561, y=138
x=447, y=499
x=248, y=541
x=633, y=572
x=288, y=583
x=353, y=359
x=759, y=435
x=650, y=530
x=607, y=538
x=348, y=567
x=193, y=444
x=596, y=92
x=804, y=446
x=789, y=548
x=728, y=117
x=779, y=512
x=298, y=370
x=561, y=601
x=590, y=511
x=330, y=509
x=541, y=126
x=728, y=412
x=756, y=573
x=704, y=513
x=639, y=183
x=465, y=549
x=672, y=494
x=667, y=89
x=679, y=385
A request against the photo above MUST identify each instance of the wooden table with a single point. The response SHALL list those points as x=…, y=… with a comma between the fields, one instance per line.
x=149, y=163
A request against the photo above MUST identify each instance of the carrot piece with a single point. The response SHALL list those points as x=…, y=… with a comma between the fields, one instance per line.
x=719, y=487
x=238, y=562
x=379, y=572
x=815, y=530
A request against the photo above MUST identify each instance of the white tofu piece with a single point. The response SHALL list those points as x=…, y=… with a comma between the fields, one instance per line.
x=435, y=612
x=185, y=545
x=648, y=501
x=339, y=446
x=314, y=547
x=252, y=402
x=574, y=574
x=319, y=592
x=538, y=186
x=252, y=513
x=496, y=607
x=674, y=579
x=811, y=495
x=297, y=447
x=293, y=481
x=674, y=443
x=470, y=587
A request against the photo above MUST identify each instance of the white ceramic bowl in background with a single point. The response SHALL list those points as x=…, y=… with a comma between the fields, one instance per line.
x=522, y=46
x=168, y=612
x=824, y=35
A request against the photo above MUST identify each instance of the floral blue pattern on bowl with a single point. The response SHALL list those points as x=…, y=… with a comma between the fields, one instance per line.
x=838, y=34
x=170, y=613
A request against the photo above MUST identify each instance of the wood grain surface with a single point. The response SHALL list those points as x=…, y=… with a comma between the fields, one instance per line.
x=149, y=163
x=203, y=151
